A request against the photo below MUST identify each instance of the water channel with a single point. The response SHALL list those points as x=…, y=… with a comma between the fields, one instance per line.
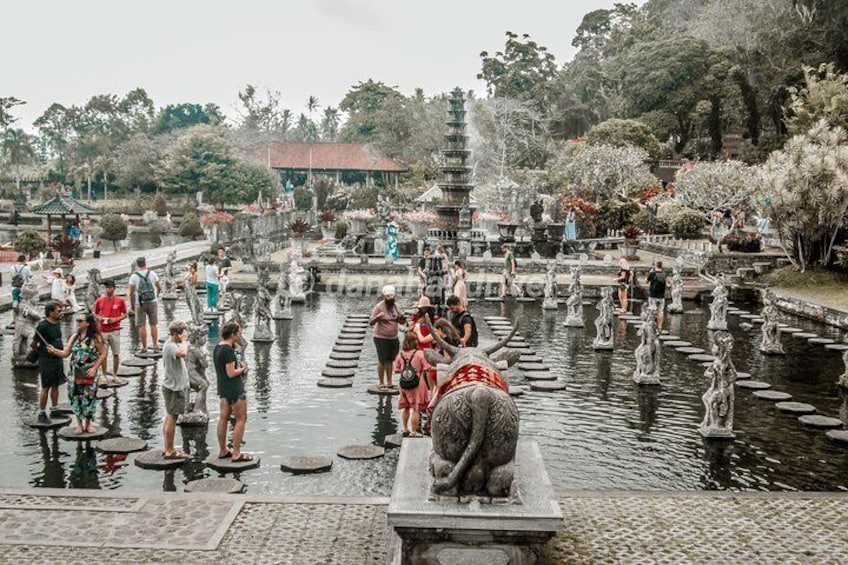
x=603, y=432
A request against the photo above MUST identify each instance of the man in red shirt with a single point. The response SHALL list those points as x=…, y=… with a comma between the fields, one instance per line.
x=109, y=310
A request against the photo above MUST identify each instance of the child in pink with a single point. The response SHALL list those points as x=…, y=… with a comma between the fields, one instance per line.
x=412, y=401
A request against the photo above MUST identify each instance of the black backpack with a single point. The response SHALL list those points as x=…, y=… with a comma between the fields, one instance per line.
x=17, y=277
x=467, y=318
x=408, y=375
x=146, y=292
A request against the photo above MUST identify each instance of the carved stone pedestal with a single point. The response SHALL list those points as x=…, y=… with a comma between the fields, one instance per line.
x=431, y=530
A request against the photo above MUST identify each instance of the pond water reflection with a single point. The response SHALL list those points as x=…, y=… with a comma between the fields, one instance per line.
x=603, y=432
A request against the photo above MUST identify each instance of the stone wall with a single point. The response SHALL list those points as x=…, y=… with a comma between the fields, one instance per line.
x=813, y=311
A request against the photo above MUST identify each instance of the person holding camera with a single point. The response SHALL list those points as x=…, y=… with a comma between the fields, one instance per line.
x=385, y=318
x=230, y=371
x=175, y=385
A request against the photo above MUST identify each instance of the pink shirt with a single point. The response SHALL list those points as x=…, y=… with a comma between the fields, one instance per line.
x=386, y=327
x=416, y=360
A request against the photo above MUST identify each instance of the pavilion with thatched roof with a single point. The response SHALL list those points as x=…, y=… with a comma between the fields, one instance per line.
x=62, y=206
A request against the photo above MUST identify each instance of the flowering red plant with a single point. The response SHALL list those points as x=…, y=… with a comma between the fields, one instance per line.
x=217, y=217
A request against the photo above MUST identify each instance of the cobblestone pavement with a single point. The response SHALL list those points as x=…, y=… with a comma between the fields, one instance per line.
x=599, y=527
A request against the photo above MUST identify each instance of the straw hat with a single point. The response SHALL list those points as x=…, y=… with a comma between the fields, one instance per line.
x=423, y=302
x=58, y=271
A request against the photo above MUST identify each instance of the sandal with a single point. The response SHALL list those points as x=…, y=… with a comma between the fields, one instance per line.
x=405, y=433
x=415, y=434
x=242, y=458
x=227, y=455
x=176, y=454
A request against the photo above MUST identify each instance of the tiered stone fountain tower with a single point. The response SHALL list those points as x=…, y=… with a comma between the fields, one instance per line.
x=454, y=211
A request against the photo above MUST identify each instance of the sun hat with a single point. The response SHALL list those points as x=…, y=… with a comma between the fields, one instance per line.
x=388, y=291
x=58, y=271
x=423, y=302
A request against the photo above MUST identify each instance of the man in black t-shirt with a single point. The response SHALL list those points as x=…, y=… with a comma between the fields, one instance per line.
x=656, y=292
x=230, y=371
x=51, y=367
x=463, y=322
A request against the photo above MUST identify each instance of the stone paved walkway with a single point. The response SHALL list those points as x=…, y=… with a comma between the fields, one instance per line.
x=600, y=527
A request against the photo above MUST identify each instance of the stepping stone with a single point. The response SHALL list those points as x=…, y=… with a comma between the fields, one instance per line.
x=821, y=341
x=839, y=436
x=117, y=382
x=341, y=356
x=516, y=390
x=393, y=440
x=547, y=386
x=104, y=393
x=229, y=466
x=346, y=335
x=523, y=350
x=335, y=383
x=355, y=328
x=495, y=319
x=70, y=434
x=690, y=350
x=56, y=421
x=342, y=364
x=836, y=347
x=503, y=322
x=338, y=373
x=525, y=299
x=149, y=355
x=795, y=407
x=138, y=362
x=669, y=337
x=740, y=376
x=821, y=422
x=530, y=358
x=753, y=385
x=306, y=464
x=706, y=365
x=702, y=357
x=121, y=445
x=628, y=317
x=361, y=452
x=678, y=344
x=540, y=376
x=353, y=342
x=375, y=389
x=129, y=371
x=503, y=334
x=790, y=330
x=64, y=409
x=804, y=335
x=155, y=460
x=517, y=341
x=221, y=485
x=748, y=316
x=758, y=320
x=533, y=367
x=635, y=322
x=357, y=331
x=773, y=395
x=347, y=348
x=493, y=299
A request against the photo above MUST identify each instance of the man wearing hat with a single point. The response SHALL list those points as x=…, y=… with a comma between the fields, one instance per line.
x=385, y=318
x=109, y=311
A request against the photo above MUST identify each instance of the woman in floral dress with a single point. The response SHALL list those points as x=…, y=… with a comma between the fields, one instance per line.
x=87, y=353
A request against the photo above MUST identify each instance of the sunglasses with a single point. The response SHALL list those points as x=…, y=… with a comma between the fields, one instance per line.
x=82, y=321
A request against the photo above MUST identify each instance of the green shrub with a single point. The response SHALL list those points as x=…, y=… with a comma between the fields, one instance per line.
x=744, y=242
x=160, y=205
x=302, y=198
x=341, y=230
x=687, y=225
x=29, y=243
x=642, y=221
x=190, y=226
x=114, y=228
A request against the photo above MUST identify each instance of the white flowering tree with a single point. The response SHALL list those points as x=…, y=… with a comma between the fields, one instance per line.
x=807, y=186
x=712, y=188
x=607, y=172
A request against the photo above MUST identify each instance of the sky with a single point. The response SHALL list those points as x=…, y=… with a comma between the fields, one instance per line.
x=206, y=51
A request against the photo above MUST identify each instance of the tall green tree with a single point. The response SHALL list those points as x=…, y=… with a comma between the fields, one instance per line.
x=17, y=150
x=178, y=116
x=6, y=105
x=361, y=104
x=523, y=71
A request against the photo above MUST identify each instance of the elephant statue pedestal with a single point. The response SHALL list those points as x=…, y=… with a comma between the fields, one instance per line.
x=434, y=529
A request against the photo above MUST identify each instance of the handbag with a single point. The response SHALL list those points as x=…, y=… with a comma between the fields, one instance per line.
x=81, y=377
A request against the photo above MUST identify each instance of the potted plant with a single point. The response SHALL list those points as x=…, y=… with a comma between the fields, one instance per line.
x=327, y=217
x=631, y=241
x=298, y=228
x=358, y=220
x=419, y=222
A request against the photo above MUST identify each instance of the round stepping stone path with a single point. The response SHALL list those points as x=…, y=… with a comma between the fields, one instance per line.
x=836, y=347
x=361, y=452
x=343, y=363
x=839, y=436
x=533, y=367
x=56, y=421
x=753, y=385
x=689, y=350
x=773, y=395
x=229, y=466
x=740, y=376
x=156, y=461
x=516, y=391
x=669, y=337
x=393, y=440
x=678, y=344
x=804, y=335
x=306, y=464
x=117, y=382
x=821, y=341
x=338, y=373
x=547, y=386
x=104, y=393
x=342, y=356
x=790, y=330
x=138, y=362
x=70, y=434
x=539, y=376
x=796, y=407
x=221, y=485
x=124, y=371
x=121, y=445
x=347, y=348
x=375, y=389
x=702, y=357
x=821, y=422
x=335, y=383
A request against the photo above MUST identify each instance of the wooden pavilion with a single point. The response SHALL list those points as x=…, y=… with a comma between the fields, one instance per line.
x=62, y=206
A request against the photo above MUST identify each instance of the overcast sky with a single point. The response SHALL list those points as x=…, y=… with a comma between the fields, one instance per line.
x=206, y=51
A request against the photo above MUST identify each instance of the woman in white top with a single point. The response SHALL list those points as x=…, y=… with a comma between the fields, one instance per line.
x=58, y=290
x=70, y=294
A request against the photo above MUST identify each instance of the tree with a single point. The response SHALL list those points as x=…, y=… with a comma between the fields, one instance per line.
x=246, y=182
x=201, y=159
x=113, y=229
x=604, y=171
x=262, y=113
x=30, y=243
x=624, y=133
x=160, y=205
x=824, y=96
x=6, y=104
x=178, y=116
x=330, y=124
x=361, y=103
x=190, y=226
x=807, y=187
x=18, y=150
x=137, y=161
x=524, y=71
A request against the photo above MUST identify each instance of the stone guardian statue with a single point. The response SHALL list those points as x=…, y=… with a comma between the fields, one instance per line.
x=574, y=304
x=283, y=300
x=605, y=339
x=197, y=361
x=718, y=307
x=770, y=344
x=262, y=332
x=676, y=306
x=648, y=353
x=29, y=314
x=169, y=292
x=718, y=400
x=550, y=301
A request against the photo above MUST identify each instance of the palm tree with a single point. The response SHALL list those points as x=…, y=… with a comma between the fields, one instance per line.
x=330, y=124
x=18, y=149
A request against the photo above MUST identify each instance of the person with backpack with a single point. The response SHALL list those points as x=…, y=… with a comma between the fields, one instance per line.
x=144, y=290
x=656, y=292
x=464, y=322
x=20, y=276
x=410, y=365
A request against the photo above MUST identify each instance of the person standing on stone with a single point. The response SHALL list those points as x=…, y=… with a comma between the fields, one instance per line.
x=460, y=289
x=144, y=290
x=71, y=293
x=20, y=276
x=656, y=292
x=623, y=281
x=109, y=311
x=384, y=319
x=413, y=400
x=464, y=323
x=510, y=267
x=224, y=266
x=175, y=385
x=230, y=371
x=212, y=284
x=48, y=334
x=423, y=264
x=58, y=289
